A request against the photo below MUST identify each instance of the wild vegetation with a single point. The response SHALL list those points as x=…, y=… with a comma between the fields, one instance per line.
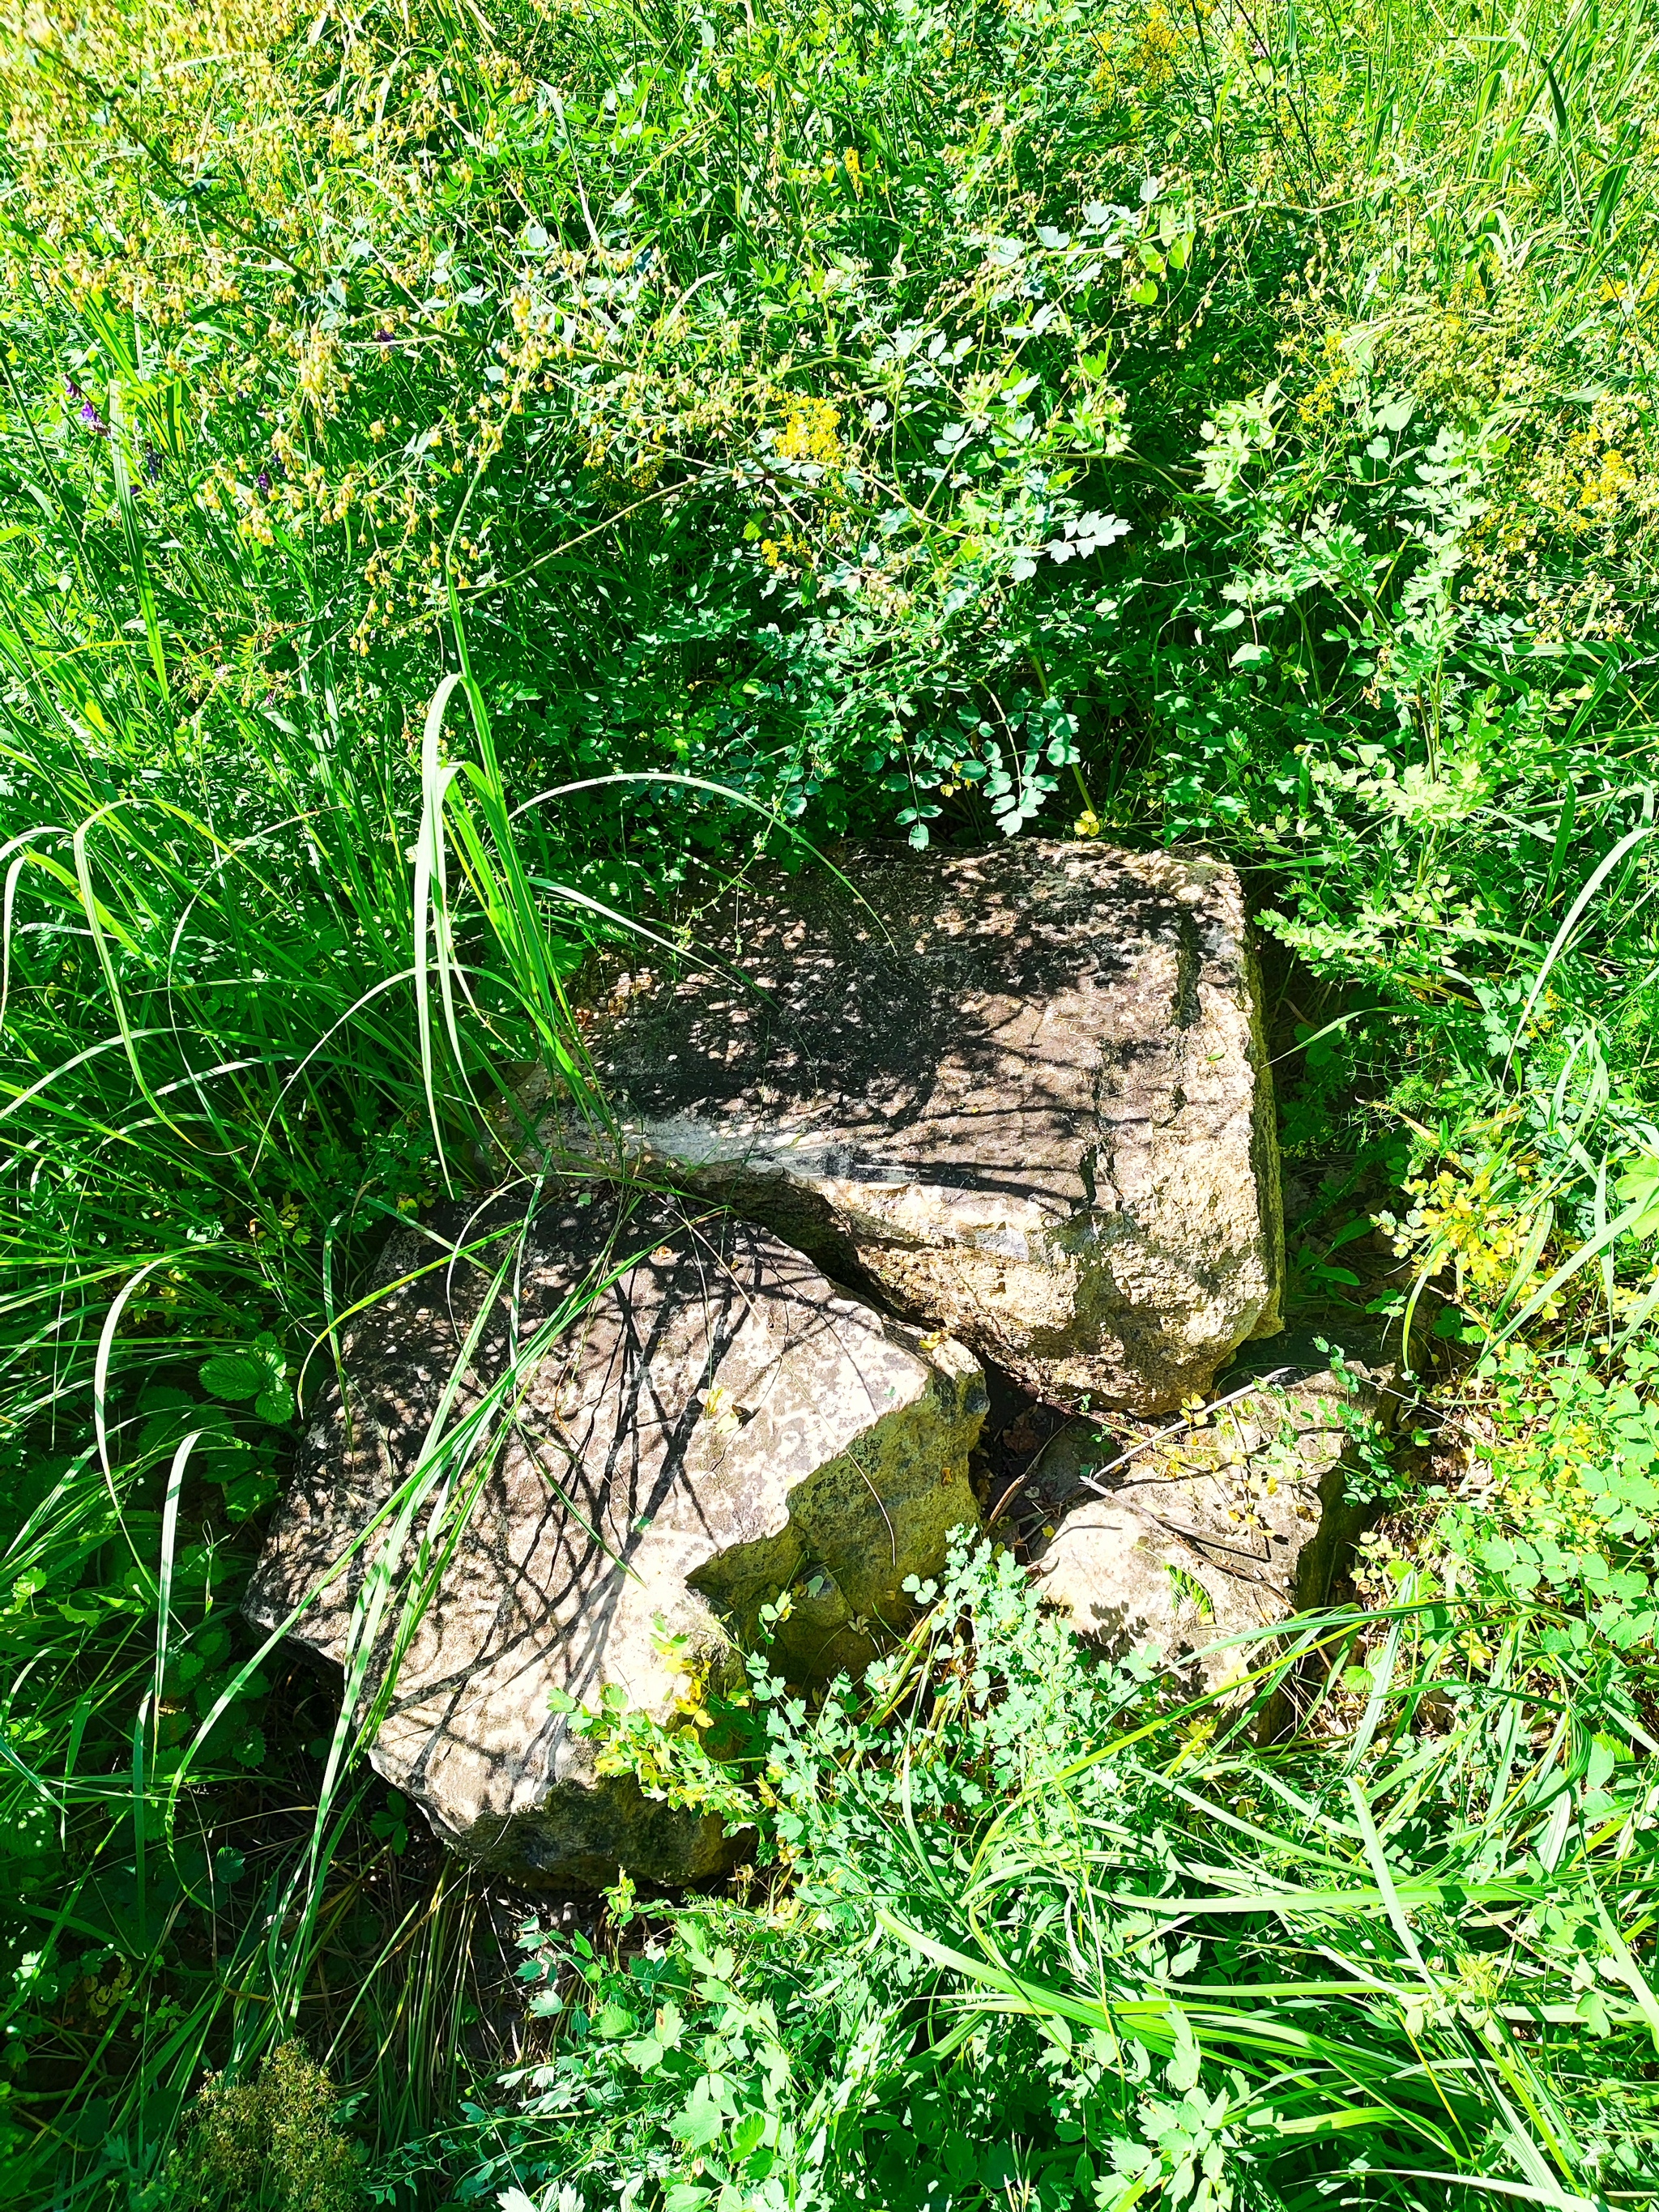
x=473, y=479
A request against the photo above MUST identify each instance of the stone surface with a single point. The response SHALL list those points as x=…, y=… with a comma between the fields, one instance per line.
x=1022, y=1094
x=1227, y=1527
x=720, y=1424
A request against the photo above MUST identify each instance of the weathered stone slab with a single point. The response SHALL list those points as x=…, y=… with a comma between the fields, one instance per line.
x=1022, y=1093
x=719, y=1424
x=1229, y=1526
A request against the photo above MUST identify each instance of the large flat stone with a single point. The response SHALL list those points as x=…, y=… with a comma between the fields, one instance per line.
x=1229, y=1527
x=720, y=1424
x=1022, y=1093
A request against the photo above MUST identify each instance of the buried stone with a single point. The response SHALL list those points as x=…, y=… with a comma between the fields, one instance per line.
x=1241, y=1520
x=593, y=1457
x=1022, y=1094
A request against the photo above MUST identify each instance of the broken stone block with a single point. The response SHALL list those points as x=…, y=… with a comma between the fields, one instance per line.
x=1022, y=1094
x=664, y=1421
x=1229, y=1525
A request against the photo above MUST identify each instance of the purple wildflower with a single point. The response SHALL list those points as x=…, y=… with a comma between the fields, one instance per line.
x=152, y=465
x=72, y=389
x=384, y=337
x=94, y=420
x=262, y=480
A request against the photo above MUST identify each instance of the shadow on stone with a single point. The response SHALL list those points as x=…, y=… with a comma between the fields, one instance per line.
x=1239, y=1520
x=615, y=1500
x=1023, y=1093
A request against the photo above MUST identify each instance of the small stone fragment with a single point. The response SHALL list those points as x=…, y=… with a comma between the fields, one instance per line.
x=716, y=1425
x=1230, y=1526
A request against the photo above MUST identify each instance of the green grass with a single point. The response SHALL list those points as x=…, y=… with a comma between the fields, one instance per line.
x=471, y=484
x=1057, y=1936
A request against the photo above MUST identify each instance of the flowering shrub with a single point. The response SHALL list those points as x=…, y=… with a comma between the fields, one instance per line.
x=1494, y=1245
x=949, y=482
